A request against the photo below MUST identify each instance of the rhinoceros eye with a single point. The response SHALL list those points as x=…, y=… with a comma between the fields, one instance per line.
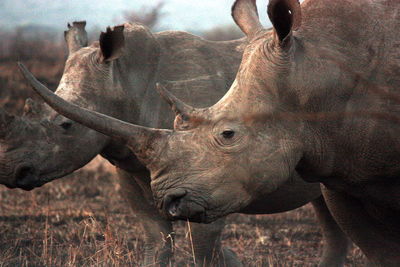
x=228, y=134
x=66, y=125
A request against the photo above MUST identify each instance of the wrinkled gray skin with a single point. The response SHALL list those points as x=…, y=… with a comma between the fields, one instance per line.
x=292, y=194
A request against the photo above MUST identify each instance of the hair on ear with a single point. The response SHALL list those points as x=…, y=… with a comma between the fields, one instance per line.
x=112, y=43
x=285, y=16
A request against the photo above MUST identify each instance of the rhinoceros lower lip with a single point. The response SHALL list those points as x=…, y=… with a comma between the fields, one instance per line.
x=26, y=177
x=178, y=210
x=197, y=218
x=175, y=213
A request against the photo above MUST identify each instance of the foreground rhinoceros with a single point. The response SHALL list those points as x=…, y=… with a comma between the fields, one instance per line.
x=174, y=59
x=316, y=98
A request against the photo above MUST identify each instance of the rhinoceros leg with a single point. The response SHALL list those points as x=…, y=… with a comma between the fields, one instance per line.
x=207, y=245
x=157, y=230
x=379, y=242
x=335, y=241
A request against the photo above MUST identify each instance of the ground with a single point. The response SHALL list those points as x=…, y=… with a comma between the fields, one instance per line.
x=81, y=220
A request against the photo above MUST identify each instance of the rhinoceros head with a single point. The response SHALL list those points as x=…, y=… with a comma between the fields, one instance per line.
x=33, y=149
x=218, y=159
x=9, y=124
x=42, y=145
x=222, y=158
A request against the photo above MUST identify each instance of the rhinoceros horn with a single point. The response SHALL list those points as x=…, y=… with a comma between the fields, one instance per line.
x=145, y=142
x=5, y=122
x=186, y=116
x=178, y=106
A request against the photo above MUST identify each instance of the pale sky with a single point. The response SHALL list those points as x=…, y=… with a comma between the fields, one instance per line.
x=179, y=14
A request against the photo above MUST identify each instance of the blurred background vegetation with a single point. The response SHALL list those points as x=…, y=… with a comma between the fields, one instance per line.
x=43, y=50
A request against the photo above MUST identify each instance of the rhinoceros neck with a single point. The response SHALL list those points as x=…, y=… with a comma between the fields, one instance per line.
x=345, y=67
x=346, y=37
x=349, y=50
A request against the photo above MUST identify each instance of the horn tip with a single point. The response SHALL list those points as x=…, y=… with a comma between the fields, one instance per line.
x=160, y=88
x=21, y=65
x=23, y=69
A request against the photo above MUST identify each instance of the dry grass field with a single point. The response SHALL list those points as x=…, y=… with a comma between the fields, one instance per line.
x=81, y=220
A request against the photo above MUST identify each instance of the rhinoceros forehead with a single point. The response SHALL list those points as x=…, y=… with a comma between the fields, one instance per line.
x=257, y=42
x=81, y=58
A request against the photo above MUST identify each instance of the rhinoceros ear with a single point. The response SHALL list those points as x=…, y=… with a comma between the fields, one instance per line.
x=285, y=16
x=31, y=108
x=112, y=43
x=245, y=15
x=76, y=36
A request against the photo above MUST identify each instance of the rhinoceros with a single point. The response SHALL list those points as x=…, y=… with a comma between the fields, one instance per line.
x=193, y=58
x=316, y=98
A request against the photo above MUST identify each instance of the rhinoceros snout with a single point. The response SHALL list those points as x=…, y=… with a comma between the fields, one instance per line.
x=179, y=206
x=26, y=177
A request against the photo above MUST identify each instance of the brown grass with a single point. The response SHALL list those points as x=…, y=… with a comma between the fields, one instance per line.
x=81, y=220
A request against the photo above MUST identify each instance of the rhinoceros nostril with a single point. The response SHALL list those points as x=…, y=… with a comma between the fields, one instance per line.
x=173, y=208
x=172, y=203
x=26, y=177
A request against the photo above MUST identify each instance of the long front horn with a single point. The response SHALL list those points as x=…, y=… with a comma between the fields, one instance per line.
x=138, y=138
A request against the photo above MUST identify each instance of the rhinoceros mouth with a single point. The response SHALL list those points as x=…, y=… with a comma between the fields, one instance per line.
x=199, y=217
x=27, y=177
x=181, y=205
x=10, y=186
